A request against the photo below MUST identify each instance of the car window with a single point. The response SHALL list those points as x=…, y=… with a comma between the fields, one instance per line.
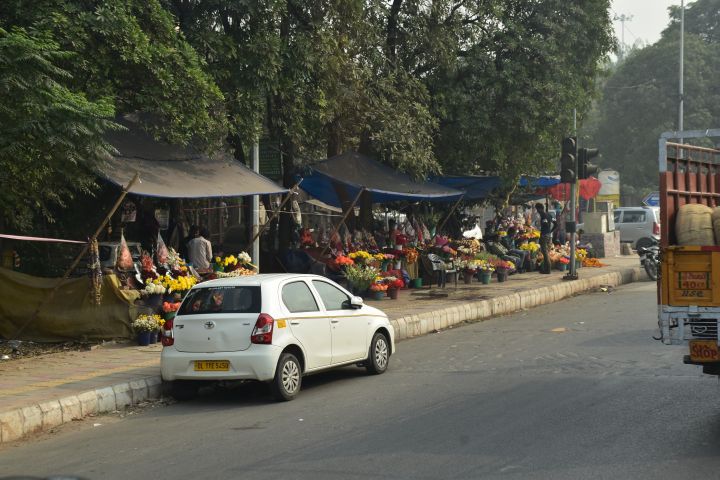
x=332, y=297
x=616, y=216
x=229, y=299
x=634, y=217
x=297, y=297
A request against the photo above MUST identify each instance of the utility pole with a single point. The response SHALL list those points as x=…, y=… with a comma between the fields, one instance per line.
x=572, y=275
x=622, y=19
x=682, y=61
x=256, y=208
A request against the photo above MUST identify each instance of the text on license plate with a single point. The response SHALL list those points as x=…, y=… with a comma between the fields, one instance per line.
x=704, y=351
x=212, y=365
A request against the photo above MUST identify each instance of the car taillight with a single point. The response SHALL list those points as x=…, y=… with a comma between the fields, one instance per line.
x=167, y=333
x=262, y=333
x=656, y=228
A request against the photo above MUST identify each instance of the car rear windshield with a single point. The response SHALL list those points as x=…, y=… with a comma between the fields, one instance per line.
x=230, y=299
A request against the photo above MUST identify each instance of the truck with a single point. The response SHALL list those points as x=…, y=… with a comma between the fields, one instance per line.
x=689, y=281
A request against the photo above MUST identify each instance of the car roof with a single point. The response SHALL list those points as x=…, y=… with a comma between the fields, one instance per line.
x=256, y=280
x=636, y=208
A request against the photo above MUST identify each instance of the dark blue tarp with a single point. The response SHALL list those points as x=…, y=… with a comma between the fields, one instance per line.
x=478, y=187
x=355, y=171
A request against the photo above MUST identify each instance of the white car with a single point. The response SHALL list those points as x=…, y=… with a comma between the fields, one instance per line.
x=273, y=328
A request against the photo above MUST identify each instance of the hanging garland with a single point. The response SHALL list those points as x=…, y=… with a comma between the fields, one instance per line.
x=95, y=273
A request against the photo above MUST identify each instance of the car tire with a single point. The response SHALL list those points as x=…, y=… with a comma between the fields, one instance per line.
x=288, y=378
x=643, y=243
x=183, y=390
x=379, y=354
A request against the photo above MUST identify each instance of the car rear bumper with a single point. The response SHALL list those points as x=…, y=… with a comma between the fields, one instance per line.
x=256, y=363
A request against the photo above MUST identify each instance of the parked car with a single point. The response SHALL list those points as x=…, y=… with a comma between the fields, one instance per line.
x=638, y=225
x=273, y=328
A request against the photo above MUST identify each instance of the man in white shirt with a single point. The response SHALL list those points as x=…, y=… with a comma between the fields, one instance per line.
x=200, y=250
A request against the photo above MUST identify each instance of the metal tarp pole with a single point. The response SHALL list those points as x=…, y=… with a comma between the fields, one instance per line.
x=256, y=209
x=267, y=223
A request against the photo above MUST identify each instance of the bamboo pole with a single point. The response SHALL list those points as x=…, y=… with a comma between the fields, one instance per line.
x=342, y=220
x=452, y=210
x=82, y=253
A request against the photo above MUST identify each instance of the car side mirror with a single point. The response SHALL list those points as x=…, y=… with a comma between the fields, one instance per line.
x=356, y=303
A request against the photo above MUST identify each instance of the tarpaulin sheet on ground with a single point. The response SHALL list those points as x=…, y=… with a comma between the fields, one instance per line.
x=478, y=187
x=173, y=171
x=70, y=315
x=355, y=171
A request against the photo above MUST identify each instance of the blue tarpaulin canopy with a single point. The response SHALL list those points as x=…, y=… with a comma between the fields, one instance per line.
x=355, y=171
x=478, y=187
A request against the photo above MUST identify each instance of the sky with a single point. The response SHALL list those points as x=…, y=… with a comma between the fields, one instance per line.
x=649, y=18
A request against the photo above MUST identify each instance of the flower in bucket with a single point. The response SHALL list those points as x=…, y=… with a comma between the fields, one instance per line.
x=168, y=307
x=342, y=260
x=396, y=283
x=531, y=247
x=361, y=256
x=581, y=254
x=503, y=265
x=360, y=276
x=378, y=287
x=411, y=255
x=485, y=266
x=147, y=323
x=153, y=287
x=564, y=260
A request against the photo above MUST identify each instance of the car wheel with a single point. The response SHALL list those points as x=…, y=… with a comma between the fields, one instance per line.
x=183, y=390
x=379, y=354
x=643, y=243
x=288, y=378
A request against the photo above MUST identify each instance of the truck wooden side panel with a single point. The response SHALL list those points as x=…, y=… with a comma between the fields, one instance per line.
x=692, y=176
x=691, y=276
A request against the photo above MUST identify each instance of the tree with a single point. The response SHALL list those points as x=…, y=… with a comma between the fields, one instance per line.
x=50, y=135
x=640, y=100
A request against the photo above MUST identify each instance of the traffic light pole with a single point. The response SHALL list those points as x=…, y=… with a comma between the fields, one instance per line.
x=572, y=275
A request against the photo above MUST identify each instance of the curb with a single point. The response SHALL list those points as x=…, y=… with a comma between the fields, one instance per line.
x=17, y=423
x=411, y=326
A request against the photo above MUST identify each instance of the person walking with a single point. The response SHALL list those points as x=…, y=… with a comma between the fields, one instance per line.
x=547, y=226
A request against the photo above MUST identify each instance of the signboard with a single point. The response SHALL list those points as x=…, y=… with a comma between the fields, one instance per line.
x=270, y=159
x=610, y=181
x=652, y=199
x=615, y=199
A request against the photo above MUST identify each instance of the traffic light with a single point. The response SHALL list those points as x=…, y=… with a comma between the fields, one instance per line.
x=585, y=168
x=568, y=165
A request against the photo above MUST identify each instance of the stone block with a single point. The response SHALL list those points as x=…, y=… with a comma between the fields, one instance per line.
x=32, y=419
x=52, y=414
x=139, y=391
x=154, y=386
x=106, y=400
x=88, y=403
x=11, y=425
x=123, y=395
x=70, y=407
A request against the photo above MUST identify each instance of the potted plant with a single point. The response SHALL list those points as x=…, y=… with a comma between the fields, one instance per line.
x=360, y=277
x=486, y=269
x=562, y=263
x=503, y=267
x=394, y=286
x=378, y=290
x=145, y=326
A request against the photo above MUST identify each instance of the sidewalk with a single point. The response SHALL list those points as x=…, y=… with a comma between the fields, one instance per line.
x=40, y=393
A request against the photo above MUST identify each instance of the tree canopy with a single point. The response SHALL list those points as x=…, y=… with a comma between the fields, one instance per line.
x=640, y=99
x=445, y=85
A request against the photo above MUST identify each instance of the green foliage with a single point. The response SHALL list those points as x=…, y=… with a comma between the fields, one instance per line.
x=50, y=135
x=640, y=100
x=130, y=53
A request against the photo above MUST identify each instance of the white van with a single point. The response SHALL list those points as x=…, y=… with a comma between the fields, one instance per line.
x=638, y=226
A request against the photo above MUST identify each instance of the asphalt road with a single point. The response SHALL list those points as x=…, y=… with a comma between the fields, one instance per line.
x=573, y=390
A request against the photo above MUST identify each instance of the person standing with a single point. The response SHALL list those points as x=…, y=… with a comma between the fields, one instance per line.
x=547, y=225
x=200, y=250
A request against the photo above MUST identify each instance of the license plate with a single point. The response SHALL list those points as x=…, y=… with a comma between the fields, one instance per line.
x=212, y=365
x=693, y=280
x=704, y=351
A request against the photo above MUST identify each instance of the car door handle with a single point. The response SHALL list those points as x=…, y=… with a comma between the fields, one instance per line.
x=294, y=323
x=334, y=321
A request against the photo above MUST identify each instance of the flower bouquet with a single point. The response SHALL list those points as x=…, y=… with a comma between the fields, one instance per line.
x=144, y=326
x=378, y=290
x=170, y=309
x=360, y=277
x=361, y=257
x=411, y=256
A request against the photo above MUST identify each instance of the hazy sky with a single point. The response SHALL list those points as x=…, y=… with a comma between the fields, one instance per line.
x=649, y=18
